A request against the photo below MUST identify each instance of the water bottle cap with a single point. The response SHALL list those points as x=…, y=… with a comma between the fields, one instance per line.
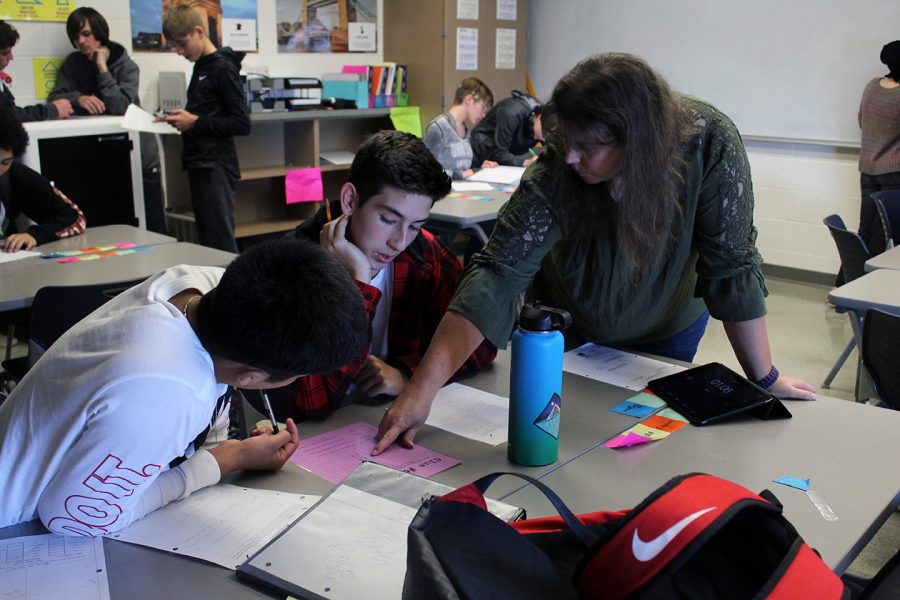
x=539, y=318
x=535, y=319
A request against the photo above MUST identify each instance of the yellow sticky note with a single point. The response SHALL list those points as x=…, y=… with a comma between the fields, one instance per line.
x=45, y=71
x=407, y=119
x=649, y=432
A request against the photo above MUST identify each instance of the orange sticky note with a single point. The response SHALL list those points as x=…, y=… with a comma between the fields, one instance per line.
x=663, y=423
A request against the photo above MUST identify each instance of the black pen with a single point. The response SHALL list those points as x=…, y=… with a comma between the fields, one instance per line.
x=268, y=405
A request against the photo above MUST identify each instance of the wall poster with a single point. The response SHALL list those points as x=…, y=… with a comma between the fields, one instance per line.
x=326, y=25
x=229, y=23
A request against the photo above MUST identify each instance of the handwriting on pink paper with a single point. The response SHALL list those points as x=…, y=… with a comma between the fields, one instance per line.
x=333, y=455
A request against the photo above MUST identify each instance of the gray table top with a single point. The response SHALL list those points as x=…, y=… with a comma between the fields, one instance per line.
x=468, y=211
x=879, y=289
x=20, y=280
x=849, y=451
x=585, y=421
x=889, y=259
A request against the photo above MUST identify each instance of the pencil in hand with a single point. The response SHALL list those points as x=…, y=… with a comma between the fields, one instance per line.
x=268, y=406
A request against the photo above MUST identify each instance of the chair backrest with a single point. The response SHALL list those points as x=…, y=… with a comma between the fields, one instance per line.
x=881, y=354
x=57, y=308
x=851, y=248
x=887, y=202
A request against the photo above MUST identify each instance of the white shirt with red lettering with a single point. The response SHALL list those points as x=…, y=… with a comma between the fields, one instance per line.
x=87, y=436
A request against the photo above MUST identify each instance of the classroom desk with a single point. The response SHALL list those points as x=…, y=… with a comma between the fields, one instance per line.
x=889, y=259
x=140, y=573
x=585, y=421
x=879, y=289
x=467, y=214
x=20, y=280
x=849, y=451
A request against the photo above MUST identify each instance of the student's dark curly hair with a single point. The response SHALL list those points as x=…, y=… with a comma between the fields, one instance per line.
x=8, y=35
x=400, y=160
x=286, y=307
x=13, y=136
x=99, y=26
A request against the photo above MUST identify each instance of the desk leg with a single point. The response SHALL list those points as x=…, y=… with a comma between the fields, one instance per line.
x=479, y=232
x=856, y=322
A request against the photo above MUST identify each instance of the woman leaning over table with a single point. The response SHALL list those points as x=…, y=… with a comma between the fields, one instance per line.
x=638, y=220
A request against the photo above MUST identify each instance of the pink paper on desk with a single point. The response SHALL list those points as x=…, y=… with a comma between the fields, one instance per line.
x=303, y=185
x=629, y=439
x=333, y=455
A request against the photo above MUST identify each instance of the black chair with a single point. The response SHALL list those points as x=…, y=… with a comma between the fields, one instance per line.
x=54, y=311
x=881, y=355
x=887, y=204
x=854, y=253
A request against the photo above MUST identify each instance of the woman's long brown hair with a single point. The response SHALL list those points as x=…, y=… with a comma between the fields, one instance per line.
x=617, y=99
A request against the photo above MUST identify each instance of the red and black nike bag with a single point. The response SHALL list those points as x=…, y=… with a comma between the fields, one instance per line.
x=698, y=536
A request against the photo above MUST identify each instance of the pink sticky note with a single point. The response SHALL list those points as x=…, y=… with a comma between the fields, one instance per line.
x=333, y=455
x=303, y=185
x=69, y=259
x=125, y=245
x=629, y=439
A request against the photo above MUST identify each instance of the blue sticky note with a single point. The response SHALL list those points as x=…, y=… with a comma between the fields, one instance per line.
x=632, y=409
x=794, y=482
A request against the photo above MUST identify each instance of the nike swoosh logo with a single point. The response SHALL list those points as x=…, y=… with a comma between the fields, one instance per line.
x=646, y=551
x=201, y=77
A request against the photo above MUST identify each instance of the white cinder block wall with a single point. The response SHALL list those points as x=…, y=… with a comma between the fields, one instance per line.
x=796, y=186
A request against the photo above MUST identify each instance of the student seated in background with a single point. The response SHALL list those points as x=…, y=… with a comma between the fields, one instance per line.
x=509, y=131
x=58, y=109
x=128, y=410
x=26, y=192
x=406, y=275
x=216, y=111
x=447, y=136
x=99, y=78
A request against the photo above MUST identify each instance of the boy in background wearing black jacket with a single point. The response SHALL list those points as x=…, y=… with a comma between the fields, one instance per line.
x=216, y=110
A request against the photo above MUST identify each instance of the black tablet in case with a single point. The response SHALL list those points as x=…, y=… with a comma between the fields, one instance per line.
x=712, y=392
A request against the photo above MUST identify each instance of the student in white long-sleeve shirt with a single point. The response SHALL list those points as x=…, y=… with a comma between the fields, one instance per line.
x=128, y=411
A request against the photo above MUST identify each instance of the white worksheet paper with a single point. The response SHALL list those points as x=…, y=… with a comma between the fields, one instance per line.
x=619, y=368
x=471, y=413
x=471, y=186
x=138, y=119
x=41, y=567
x=352, y=545
x=6, y=257
x=504, y=175
x=224, y=524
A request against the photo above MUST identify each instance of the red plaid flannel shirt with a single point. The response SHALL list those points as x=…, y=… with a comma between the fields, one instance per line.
x=425, y=277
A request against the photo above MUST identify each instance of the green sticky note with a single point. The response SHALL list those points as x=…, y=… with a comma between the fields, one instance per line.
x=407, y=119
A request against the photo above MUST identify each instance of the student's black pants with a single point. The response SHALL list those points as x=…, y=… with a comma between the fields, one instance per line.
x=212, y=195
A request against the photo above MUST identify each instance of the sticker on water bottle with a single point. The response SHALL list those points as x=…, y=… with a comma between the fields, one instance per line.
x=548, y=420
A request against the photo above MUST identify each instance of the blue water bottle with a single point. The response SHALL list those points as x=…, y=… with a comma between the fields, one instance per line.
x=535, y=385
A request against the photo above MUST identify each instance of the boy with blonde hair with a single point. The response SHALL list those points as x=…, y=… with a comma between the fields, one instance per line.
x=216, y=111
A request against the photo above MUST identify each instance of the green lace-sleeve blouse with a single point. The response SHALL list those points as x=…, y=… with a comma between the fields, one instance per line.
x=714, y=263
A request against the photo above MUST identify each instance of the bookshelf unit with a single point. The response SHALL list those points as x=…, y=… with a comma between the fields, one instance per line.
x=277, y=143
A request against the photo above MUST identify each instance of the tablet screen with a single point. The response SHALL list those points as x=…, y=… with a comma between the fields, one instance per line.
x=709, y=392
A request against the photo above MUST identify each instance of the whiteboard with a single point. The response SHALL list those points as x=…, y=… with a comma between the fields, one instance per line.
x=791, y=69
